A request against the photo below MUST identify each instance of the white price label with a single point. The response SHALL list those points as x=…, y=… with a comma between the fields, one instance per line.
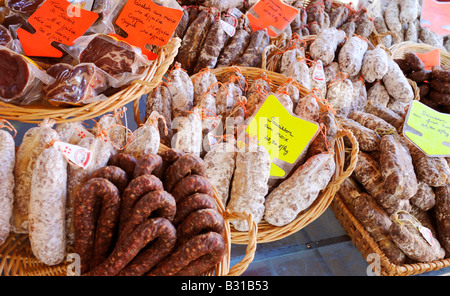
x=426, y=233
x=229, y=29
x=77, y=155
x=318, y=74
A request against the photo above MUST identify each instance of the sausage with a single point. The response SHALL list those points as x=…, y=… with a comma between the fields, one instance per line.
x=420, y=75
x=440, y=86
x=114, y=174
x=160, y=100
x=252, y=56
x=340, y=93
x=425, y=198
x=110, y=126
x=169, y=156
x=203, y=82
x=194, y=258
x=149, y=164
x=441, y=208
x=200, y=221
x=439, y=98
x=185, y=165
x=193, y=40
x=145, y=139
x=385, y=113
x=308, y=108
x=213, y=45
x=189, y=136
x=126, y=162
x=299, y=191
x=94, y=232
x=397, y=167
x=352, y=54
x=437, y=72
x=371, y=121
x=72, y=132
x=46, y=209
x=181, y=90
x=220, y=163
x=7, y=159
x=192, y=203
x=130, y=257
x=413, y=61
x=158, y=202
x=324, y=46
x=405, y=234
x=324, y=141
x=368, y=139
x=397, y=84
x=33, y=143
x=374, y=64
x=236, y=46
x=249, y=186
x=134, y=191
x=368, y=173
x=190, y=185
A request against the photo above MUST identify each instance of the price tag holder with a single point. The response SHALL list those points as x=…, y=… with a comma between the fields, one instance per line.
x=428, y=129
x=148, y=23
x=430, y=58
x=284, y=135
x=55, y=21
x=273, y=15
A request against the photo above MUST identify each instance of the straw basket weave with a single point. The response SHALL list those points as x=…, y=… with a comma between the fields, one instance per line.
x=17, y=259
x=367, y=246
x=267, y=232
x=35, y=114
x=399, y=49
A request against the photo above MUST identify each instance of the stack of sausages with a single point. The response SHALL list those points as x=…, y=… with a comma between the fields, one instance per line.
x=129, y=220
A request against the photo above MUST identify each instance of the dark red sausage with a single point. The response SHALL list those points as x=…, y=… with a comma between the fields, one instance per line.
x=126, y=162
x=157, y=231
x=190, y=185
x=151, y=164
x=191, y=203
x=115, y=174
x=186, y=165
x=96, y=208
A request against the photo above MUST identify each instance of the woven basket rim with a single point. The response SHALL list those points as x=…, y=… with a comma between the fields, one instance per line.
x=270, y=233
x=399, y=49
x=35, y=114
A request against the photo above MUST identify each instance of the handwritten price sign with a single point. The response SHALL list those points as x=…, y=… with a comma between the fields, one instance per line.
x=148, y=23
x=428, y=129
x=55, y=21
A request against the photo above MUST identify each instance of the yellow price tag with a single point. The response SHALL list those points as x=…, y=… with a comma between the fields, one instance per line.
x=284, y=135
x=428, y=129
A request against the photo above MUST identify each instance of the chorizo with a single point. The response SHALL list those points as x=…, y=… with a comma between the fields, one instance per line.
x=126, y=162
x=95, y=228
x=190, y=185
x=114, y=174
x=188, y=164
x=151, y=164
x=130, y=258
x=192, y=203
x=194, y=258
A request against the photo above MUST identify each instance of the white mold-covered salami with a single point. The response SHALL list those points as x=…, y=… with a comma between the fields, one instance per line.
x=374, y=65
x=146, y=139
x=397, y=84
x=425, y=197
x=308, y=108
x=160, y=100
x=33, y=143
x=340, y=94
x=288, y=58
x=47, y=207
x=391, y=17
x=113, y=130
x=72, y=132
x=220, y=163
x=359, y=100
x=377, y=93
x=299, y=70
x=331, y=70
x=324, y=46
x=188, y=137
x=291, y=88
x=203, y=81
x=318, y=79
x=182, y=90
x=299, y=191
x=249, y=186
x=227, y=96
x=351, y=55
x=408, y=10
x=7, y=160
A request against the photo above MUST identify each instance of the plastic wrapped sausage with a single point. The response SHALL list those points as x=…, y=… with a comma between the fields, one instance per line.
x=145, y=139
x=374, y=64
x=160, y=100
x=188, y=136
x=351, y=55
x=299, y=191
x=47, y=207
x=368, y=139
x=33, y=143
x=181, y=89
x=8, y=159
x=340, y=93
x=324, y=46
x=397, y=84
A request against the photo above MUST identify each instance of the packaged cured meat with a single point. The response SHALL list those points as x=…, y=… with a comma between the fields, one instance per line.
x=324, y=46
x=182, y=90
x=75, y=85
x=21, y=80
x=5, y=37
x=374, y=64
x=188, y=136
x=352, y=54
x=146, y=139
x=340, y=93
x=119, y=59
x=8, y=159
x=24, y=7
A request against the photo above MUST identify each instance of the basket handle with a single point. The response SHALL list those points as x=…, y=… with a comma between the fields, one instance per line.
x=240, y=267
x=353, y=155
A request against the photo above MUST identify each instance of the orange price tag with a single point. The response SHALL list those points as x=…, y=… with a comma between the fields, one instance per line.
x=436, y=16
x=55, y=21
x=148, y=23
x=271, y=13
x=430, y=58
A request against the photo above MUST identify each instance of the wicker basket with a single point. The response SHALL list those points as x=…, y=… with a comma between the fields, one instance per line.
x=367, y=246
x=17, y=259
x=267, y=232
x=36, y=114
x=399, y=49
